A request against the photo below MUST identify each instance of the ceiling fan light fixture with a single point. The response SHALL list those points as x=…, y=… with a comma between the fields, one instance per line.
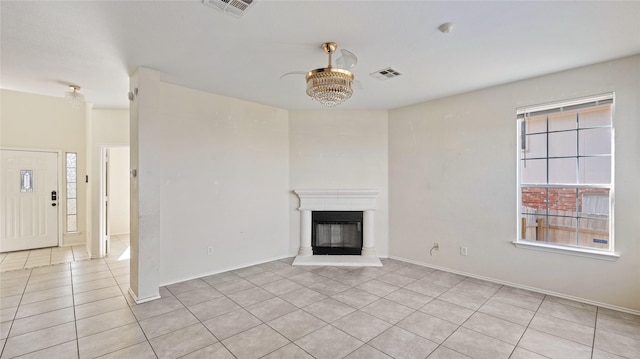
x=73, y=97
x=330, y=86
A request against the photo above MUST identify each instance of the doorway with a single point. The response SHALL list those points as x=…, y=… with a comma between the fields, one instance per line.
x=29, y=208
x=114, y=184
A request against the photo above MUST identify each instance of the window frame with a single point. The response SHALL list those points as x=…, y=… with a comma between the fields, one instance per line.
x=549, y=108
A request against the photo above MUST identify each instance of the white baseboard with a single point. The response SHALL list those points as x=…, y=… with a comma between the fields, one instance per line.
x=225, y=270
x=516, y=285
x=144, y=300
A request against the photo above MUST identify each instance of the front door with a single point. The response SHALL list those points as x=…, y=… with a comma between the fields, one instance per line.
x=29, y=202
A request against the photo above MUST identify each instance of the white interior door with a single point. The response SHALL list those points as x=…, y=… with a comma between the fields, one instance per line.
x=30, y=196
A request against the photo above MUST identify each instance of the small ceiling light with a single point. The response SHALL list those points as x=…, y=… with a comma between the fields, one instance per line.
x=75, y=98
x=330, y=86
x=446, y=27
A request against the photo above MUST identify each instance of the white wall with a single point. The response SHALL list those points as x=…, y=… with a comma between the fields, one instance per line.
x=42, y=122
x=452, y=169
x=223, y=181
x=118, y=190
x=339, y=149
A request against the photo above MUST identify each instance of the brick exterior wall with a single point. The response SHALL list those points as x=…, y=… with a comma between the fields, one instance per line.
x=560, y=199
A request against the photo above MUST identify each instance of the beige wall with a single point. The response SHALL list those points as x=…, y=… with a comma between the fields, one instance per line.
x=339, y=150
x=452, y=169
x=222, y=177
x=42, y=122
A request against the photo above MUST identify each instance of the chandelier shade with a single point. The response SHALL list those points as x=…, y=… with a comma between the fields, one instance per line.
x=73, y=97
x=330, y=86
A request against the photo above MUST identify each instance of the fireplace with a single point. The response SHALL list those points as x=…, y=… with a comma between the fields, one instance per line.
x=336, y=232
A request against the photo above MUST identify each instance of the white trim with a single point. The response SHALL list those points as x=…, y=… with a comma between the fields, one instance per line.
x=225, y=270
x=338, y=261
x=140, y=301
x=520, y=286
x=607, y=254
x=565, y=103
x=102, y=149
x=572, y=251
x=337, y=199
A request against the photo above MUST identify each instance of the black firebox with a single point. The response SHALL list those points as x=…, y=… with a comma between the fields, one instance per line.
x=336, y=232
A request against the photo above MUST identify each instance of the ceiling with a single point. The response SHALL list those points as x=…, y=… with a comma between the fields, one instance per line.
x=47, y=45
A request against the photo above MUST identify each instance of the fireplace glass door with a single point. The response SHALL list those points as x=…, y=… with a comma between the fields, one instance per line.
x=337, y=233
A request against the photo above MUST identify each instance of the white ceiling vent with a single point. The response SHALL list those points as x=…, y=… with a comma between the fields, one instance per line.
x=236, y=8
x=385, y=74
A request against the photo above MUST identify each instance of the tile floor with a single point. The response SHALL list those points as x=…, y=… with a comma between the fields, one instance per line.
x=41, y=257
x=274, y=310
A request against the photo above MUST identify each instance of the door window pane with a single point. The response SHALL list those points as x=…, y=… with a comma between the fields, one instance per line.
x=26, y=181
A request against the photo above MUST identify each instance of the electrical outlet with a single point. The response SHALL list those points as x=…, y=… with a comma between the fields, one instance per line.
x=210, y=250
x=463, y=251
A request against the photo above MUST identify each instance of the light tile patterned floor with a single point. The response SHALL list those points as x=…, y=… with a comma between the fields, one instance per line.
x=41, y=257
x=274, y=310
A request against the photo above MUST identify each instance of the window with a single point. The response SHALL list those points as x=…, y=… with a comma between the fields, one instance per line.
x=72, y=192
x=565, y=175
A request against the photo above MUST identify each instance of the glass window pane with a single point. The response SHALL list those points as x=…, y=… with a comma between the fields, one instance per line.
x=71, y=206
x=562, y=144
x=72, y=223
x=26, y=180
x=534, y=199
x=596, y=116
x=71, y=175
x=596, y=141
x=594, y=232
x=71, y=160
x=594, y=200
x=562, y=171
x=533, y=227
x=562, y=230
x=563, y=201
x=595, y=170
x=71, y=190
x=533, y=171
x=536, y=124
x=536, y=146
x=563, y=121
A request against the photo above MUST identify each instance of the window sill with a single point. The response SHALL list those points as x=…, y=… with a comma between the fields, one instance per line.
x=580, y=252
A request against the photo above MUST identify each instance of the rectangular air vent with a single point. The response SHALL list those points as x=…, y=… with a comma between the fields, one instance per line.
x=385, y=74
x=236, y=8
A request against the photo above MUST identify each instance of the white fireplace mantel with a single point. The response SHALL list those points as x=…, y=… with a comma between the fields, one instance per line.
x=337, y=200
